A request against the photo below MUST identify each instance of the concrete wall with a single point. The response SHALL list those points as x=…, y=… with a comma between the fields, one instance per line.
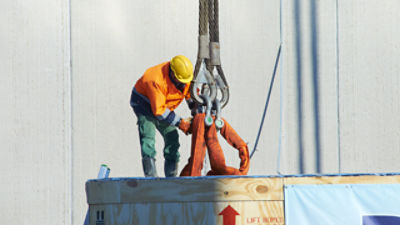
x=333, y=107
x=369, y=87
x=35, y=112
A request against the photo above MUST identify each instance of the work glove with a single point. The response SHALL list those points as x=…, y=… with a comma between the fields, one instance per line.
x=191, y=103
x=185, y=125
x=193, y=106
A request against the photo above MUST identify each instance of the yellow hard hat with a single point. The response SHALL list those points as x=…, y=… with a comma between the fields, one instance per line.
x=182, y=68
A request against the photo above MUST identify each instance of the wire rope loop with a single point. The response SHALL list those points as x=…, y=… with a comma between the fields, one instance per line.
x=222, y=86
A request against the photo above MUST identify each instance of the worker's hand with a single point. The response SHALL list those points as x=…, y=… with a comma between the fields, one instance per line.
x=186, y=125
x=191, y=103
x=188, y=120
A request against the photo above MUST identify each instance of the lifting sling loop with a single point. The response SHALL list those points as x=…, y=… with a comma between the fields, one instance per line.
x=207, y=138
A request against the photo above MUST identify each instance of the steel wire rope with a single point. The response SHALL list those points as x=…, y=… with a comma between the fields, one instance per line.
x=278, y=58
x=215, y=61
x=211, y=28
x=203, y=29
x=267, y=101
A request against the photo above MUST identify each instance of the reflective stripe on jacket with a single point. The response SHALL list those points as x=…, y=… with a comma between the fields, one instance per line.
x=161, y=93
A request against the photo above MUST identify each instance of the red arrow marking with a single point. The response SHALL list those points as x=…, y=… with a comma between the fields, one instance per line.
x=229, y=215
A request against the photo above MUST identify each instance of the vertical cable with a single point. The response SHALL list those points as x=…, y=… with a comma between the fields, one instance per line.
x=278, y=56
x=338, y=90
x=271, y=85
x=278, y=164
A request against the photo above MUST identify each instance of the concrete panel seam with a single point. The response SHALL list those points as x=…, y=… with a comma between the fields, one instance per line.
x=281, y=94
x=338, y=89
x=68, y=113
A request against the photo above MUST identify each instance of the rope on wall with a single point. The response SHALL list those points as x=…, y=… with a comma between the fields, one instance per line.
x=278, y=58
x=267, y=102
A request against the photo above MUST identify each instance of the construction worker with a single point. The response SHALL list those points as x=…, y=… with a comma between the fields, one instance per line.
x=154, y=98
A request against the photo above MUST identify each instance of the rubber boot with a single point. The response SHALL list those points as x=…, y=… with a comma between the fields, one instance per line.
x=149, y=167
x=170, y=168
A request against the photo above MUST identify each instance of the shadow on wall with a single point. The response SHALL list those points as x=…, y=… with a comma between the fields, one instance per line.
x=299, y=85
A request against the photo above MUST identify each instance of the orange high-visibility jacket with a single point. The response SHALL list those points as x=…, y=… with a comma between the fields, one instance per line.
x=161, y=92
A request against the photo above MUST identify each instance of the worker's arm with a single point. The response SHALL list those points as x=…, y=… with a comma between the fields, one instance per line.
x=159, y=108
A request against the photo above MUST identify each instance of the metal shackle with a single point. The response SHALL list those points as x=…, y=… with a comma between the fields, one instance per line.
x=219, y=123
x=208, y=120
x=203, y=84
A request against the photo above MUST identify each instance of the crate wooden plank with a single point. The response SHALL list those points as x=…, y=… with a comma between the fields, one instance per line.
x=187, y=213
x=358, y=179
x=102, y=191
x=184, y=190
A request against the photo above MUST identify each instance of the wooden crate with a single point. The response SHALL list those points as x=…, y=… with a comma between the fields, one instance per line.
x=202, y=200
